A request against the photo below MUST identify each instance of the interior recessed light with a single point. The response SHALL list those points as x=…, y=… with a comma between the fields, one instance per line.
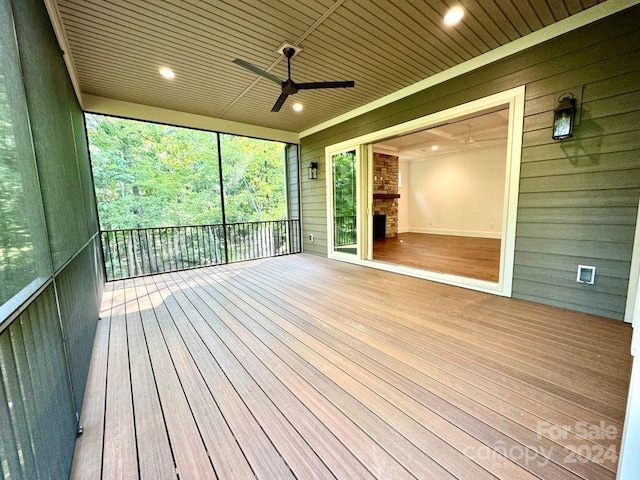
x=454, y=15
x=166, y=72
x=434, y=148
x=297, y=107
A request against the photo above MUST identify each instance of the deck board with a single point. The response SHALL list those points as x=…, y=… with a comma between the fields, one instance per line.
x=87, y=463
x=302, y=367
x=476, y=418
x=155, y=460
x=189, y=452
x=120, y=448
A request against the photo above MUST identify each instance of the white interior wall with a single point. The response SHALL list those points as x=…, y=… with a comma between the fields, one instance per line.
x=456, y=194
x=403, y=201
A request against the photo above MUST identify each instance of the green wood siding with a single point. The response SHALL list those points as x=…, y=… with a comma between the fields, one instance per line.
x=293, y=180
x=578, y=199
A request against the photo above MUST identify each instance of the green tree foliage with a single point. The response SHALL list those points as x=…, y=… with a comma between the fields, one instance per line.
x=344, y=184
x=344, y=198
x=15, y=239
x=253, y=173
x=150, y=175
x=23, y=248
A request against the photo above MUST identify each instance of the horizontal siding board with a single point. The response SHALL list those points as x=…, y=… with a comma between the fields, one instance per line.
x=618, y=105
x=319, y=207
x=589, y=249
x=598, y=216
x=617, y=142
x=589, y=72
x=315, y=249
x=568, y=305
x=602, y=181
x=581, y=164
x=577, y=231
x=587, y=128
x=614, y=86
x=609, y=268
x=613, y=303
x=316, y=187
x=609, y=285
x=624, y=197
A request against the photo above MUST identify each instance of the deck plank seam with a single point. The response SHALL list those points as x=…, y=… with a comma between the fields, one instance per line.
x=266, y=298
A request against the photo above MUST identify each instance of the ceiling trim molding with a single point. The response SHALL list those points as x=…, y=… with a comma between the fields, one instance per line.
x=63, y=43
x=136, y=111
x=566, y=25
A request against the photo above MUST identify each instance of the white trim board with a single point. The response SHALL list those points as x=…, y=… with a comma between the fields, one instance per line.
x=137, y=111
x=566, y=25
x=63, y=42
x=631, y=314
x=629, y=460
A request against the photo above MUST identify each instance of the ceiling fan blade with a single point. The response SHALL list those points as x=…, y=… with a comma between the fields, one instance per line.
x=278, y=105
x=259, y=71
x=314, y=85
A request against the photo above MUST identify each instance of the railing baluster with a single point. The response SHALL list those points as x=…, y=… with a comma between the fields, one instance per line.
x=188, y=240
x=168, y=244
x=161, y=248
x=199, y=250
x=107, y=255
x=255, y=245
x=188, y=236
x=178, y=246
x=118, y=253
x=134, y=252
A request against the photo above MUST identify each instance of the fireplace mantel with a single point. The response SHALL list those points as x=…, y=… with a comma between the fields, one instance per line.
x=385, y=196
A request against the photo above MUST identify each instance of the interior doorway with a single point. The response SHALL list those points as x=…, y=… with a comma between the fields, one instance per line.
x=438, y=196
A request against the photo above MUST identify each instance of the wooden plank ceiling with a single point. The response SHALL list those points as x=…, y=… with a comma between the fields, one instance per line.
x=118, y=46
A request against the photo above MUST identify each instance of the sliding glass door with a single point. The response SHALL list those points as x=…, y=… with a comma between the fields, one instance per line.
x=343, y=173
x=477, y=138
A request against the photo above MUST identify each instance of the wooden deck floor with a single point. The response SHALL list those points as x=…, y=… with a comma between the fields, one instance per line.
x=470, y=257
x=302, y=367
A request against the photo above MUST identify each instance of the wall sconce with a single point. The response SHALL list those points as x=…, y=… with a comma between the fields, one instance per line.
x=564, y=116
x=313, y=170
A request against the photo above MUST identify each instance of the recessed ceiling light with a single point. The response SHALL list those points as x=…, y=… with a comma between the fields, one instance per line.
x=434, y=148
x=453, y=16
x=166, y=72
x=297, y=107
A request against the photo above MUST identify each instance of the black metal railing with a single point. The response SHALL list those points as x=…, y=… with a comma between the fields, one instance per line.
x=135, y=252
x=344, y=230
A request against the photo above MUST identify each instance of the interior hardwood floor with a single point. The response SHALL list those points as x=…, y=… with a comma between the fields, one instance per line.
x=303, y=367
x=464, y=256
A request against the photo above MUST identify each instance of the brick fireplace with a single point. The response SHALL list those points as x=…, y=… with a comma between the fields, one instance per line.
x=385, y=190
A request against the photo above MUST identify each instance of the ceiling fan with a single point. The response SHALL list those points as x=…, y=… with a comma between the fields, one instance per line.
x=289, y=87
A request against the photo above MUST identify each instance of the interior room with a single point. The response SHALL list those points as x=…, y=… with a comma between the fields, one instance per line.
x=234, y=318
x=450, y=182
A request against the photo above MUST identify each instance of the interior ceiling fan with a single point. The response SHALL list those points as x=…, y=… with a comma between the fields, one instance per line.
x=289, y=87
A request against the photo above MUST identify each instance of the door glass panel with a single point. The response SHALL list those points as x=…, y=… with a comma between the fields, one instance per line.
x=345, y=203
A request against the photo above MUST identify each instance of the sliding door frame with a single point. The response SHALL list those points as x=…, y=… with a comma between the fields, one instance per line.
x=514, y=99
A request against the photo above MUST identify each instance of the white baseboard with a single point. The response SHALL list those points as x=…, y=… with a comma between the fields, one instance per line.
x=403, y=230
x=457, y=233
